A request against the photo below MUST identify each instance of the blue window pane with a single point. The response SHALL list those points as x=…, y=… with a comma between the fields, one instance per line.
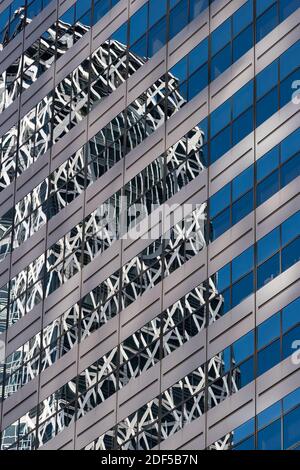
x=262, y=5
x=220, y=62
x=266, y=23
x=286, y=89
x=138, y=24
x=291, y=400
x=223, y=277
x=242, y=43
x=291, y=254
x=121, y=34
x=156, y=10
x=244, y=431
x=242, y=183
x=267, y=106
x=266, y=188
x=196, y=7
x=268, y=415
x=268, y=245
x=287, y=60
x=268, y=357
x=157, y=37
x=243, y=17
x=198, y=56
x=180, y=70
x=287, y=7
x=226, y=302
x=178, y=18
x=219, y=201
x=269, y=438
x=243, y=348
x=226, y=360
x=242, y=100
x=267, y=79
x=242, y=207
x=221, y=223
x=140, y=47
x=220, y=145
x=242, y=289
x=248, y=444
x=245, y=373
x=290, y=145
x=291, y=315
x=242, y=127
x=268, y=271
x=221, y=36
x=268, y=330
x=290, y=342
x=290, y=170
x=242, y=264
x=220, y=117
x=198, y=81
x=290, y=228
x=266, y=164
x=291, y=428
x=100, y=8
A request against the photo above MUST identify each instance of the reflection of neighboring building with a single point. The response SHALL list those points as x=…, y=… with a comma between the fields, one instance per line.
x=182, y=162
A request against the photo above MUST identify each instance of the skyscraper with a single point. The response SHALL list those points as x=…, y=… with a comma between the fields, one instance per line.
x=150, y=222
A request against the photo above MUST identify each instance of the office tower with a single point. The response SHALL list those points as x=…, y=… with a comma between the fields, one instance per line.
x=149, y=224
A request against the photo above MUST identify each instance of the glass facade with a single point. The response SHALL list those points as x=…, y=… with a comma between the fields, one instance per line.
x=162, y=241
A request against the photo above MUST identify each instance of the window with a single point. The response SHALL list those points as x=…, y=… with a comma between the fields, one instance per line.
x=242, y=207
x=268, y=330
x=290, y=228
x=266, y=23
x=242, y=264
x=266, y=188
x=220, y=117
x=268, y=415
x=291, y=428
x=267, y=79
x=243, y=348
x=221, y=223
x=269, y=438
x=242, y=289
x=290, y=342
x=220, y=200
x=268, y=245
x=268, y=357
x=220, y=62
x=242, y=43
x=267, y=106
x=290, y=315
x=221, y=36
x=242, y=18
x=267, y=271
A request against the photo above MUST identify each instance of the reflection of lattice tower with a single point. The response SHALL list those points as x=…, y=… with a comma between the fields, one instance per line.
x=190, y=145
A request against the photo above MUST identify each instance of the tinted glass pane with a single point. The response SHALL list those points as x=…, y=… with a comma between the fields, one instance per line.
x=180, y=70
x=242, y=264
x=268, y=271
x=266, y=188
x=221, y=36
x=198, y=56
x=220, y=62
x=267, y=79
x=245, y=373
x=157, y=37
x=242, y=100
x=220, y=200
x=242, y=183
x=248, y=444
x=221, y=223
x=267, y=245
x=290, y=342
x=220, y=117
x=291, y=400
x=156, y=10
x=290, y=170
x=267, y=106
x=286, y=8
x=269, y=415
x=266, y=23
x=244, y=430
x=242, y=289
x=268, y=330
x=290, y=145
x=291, y=315
x=269, y=438
x=287, y=60
x=223, y=277
x=138, y=24
x=198, y=81
x=242, y=207
x=285, y=88
x=178, y=18
x=262, y=5
x=267, y=163
x=242, y=43
x=220, y=144
x=291, y=428
x=243, y=17
x=243, y=348
x=242, y=126
x=291, y=254
x=268, y=357
x=196, y=7
x=290, y=228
